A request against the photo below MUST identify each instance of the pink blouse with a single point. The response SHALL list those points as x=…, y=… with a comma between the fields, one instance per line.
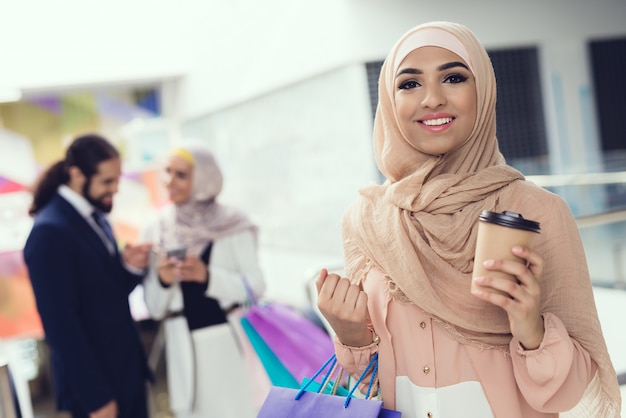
x=415, y=348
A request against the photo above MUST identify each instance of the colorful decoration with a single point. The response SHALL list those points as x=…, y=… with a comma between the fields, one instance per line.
x=18, y=312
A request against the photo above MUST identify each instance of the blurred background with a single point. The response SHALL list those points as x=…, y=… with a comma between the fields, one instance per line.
x=284, y=94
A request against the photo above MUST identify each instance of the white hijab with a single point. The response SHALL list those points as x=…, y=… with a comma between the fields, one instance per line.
x=201, y=219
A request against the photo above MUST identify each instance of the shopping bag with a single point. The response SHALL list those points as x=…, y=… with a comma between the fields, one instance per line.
x=327, y=385
x=300, y=345
x=276, y=371
x=332, y=387
x=282, y=403
x=301, y=403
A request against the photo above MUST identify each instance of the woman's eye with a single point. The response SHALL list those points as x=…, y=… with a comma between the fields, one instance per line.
x=409, y=84
x=455, y=78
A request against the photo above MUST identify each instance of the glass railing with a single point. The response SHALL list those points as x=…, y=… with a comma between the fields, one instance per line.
x=598, y=201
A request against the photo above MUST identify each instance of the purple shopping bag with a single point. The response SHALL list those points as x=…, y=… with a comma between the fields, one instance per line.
x=282, y=403
x=294, y=403
x=299, y=344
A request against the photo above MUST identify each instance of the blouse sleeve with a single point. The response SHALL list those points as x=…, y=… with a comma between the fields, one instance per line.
x=554, y=376
x=157, y=297
x=354, y=360
x=233, y=265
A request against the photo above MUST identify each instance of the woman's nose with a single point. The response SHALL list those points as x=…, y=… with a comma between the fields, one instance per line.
x=433, y=97
x=167, y=179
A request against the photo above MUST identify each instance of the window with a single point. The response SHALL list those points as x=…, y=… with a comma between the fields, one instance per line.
x=520, y=117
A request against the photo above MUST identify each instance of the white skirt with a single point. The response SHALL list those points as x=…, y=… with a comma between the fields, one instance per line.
x=221, y=383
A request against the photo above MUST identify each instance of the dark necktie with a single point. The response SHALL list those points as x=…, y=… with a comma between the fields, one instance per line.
x=102, y=222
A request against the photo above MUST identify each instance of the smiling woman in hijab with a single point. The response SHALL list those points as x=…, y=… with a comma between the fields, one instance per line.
x=206, y=265
x=446, y=351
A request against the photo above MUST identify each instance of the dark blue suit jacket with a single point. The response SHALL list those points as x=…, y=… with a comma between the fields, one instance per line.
x=82, y=297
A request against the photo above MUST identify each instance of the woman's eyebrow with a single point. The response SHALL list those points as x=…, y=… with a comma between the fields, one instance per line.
x=449, y=65
x=409, y=71
x=442, y=67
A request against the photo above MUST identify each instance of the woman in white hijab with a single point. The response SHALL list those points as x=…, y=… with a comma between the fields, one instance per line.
x=205, y=267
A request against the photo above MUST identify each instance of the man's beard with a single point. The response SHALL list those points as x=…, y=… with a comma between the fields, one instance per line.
x=98, y=204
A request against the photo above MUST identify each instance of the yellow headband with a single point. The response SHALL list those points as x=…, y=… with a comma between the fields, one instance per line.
x=184, y=154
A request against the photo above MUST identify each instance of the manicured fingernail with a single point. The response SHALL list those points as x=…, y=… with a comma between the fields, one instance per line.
x=517, y=249
x=478, y=279
x=488, y=263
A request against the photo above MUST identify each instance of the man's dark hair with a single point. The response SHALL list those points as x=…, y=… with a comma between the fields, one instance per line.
x=85, y=152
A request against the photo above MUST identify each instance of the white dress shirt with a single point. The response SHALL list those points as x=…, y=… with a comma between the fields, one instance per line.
x=85, y=209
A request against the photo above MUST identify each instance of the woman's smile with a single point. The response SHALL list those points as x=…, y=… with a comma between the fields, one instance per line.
x=437, y=122
x=435, y=99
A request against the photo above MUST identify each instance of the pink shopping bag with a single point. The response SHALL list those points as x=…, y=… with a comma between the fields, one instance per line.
x=257, y=375
x=299, y=344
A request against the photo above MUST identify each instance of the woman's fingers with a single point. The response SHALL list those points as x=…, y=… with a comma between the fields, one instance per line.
x=320, y=280
x=339, y=292
x=527, y=269
x=326, y=284
x=339, y=298
x=534, y=261
x=191, y=269
x=521, y=298
x=344, y=305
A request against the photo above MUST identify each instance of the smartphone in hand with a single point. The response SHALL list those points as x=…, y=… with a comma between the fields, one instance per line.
x=178, y=253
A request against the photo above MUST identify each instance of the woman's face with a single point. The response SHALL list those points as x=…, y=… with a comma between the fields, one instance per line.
x=178, y=179
x=435, y=95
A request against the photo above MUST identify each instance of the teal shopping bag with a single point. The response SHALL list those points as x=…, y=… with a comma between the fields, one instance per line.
x=276, y=371
x=331, y=387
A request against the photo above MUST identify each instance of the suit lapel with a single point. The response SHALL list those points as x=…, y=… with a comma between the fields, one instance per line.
x=83, y=227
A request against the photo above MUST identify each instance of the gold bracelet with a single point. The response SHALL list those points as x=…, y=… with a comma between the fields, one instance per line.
x=375, y=337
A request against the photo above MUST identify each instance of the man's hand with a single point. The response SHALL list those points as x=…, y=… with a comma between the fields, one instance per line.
x=137, y=256
x=109, y=410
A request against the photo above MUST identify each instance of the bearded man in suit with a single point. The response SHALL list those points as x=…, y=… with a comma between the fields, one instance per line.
x=82, y=281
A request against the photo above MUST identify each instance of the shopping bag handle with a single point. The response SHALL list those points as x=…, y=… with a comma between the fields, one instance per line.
x=332, y=362
x=251, y=298
x=373, y=363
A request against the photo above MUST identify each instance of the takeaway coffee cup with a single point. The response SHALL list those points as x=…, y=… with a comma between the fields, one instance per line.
x=497, y=234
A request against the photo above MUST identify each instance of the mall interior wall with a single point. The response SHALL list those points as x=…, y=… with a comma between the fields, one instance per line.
x=278, y=90
x=229, y=51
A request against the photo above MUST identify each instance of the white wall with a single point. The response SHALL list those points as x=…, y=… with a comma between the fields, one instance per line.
x=231, y=50
x=283, y=59
x=298, y=39
x=293, y=160
x=71, y=42
x=277, y=88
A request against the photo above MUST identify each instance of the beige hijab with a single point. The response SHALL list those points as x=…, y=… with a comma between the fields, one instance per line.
x=419, y=227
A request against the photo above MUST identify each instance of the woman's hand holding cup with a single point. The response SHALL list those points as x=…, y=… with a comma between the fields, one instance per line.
x=506, y=272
